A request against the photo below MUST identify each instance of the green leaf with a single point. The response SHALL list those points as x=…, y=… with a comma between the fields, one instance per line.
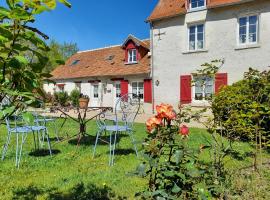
x=28, y=117
x=176, y=189
x=4, y=13
x=65, y=2
x=50, y=3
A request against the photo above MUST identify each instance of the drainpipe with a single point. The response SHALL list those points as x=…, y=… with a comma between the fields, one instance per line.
x=152, y=66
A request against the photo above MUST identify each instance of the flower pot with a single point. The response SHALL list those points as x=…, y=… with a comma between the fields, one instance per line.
x=83, y=103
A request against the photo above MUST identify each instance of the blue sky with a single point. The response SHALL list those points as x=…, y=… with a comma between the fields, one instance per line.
x=97, y=23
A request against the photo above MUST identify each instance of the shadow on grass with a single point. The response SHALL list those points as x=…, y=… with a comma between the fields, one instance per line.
x=43, y=152
x=90, y=140
x=240, y=156
x=78, y=192
x=123, y=151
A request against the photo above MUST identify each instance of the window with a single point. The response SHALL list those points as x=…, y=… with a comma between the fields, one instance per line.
x=95, y=93
x=75, y=62
x=203, y=87
x=248, y=29
x=137, y=90
x=132, y=55
x=197, y=4
x=117, y=90
x=196, y=37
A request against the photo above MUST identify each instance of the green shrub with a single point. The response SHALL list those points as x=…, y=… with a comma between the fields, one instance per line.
x=62, y=98
x=243, y=109
x=74, y=97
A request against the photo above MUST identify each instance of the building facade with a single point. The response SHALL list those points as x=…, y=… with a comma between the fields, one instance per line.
x=188, y=33
x=107, y=73
x=184, y=34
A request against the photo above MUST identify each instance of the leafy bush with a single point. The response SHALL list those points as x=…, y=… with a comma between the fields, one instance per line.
x=74, y=97
x=62, y=98
x=243, y=109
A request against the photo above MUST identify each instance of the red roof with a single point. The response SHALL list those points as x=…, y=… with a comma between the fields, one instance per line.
x=109, y=61
x=171, y=8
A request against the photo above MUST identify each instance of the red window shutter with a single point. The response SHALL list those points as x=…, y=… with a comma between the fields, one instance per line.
x=148, y=91
x=124, y=87
x=221, y=80
x=185, y=91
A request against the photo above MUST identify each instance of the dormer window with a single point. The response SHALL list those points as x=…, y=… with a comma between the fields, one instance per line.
x=197, y=4
x=132, y=55
x=75, y=62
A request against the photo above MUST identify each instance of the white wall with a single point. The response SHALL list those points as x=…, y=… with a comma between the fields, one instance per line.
x=171, y=58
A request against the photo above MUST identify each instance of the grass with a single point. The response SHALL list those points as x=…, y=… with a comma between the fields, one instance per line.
x=72, y=173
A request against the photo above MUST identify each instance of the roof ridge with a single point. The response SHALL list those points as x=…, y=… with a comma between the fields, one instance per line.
x=96, y=49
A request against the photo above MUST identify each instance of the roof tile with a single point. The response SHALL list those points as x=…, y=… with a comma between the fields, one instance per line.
x=171, y=8
x=101, y=62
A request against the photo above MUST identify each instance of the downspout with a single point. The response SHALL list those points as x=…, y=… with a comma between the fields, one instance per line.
x=152, y=66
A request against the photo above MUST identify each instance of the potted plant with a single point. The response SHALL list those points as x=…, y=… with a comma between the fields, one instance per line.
x=83, y=101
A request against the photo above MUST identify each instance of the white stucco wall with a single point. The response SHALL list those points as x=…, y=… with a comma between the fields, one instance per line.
x=171, y=58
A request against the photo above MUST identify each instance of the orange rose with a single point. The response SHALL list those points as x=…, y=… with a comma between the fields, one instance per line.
x=152, y=123
x=165, y=111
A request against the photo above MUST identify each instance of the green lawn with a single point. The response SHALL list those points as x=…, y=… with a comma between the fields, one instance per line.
x=72, y=173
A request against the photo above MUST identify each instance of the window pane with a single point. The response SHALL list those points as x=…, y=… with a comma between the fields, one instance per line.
x=252, y=28
x=200, y=36
x=253, y=20
x=95, y=91
x=242, y=39
x=192, y=45
x=252, y=38
x=198, y=89
x=243, y=21
x=243, y=30
x=118, y=90
x=201, y=3
x=200, y=28
x=194, y=4
x=197, y=3
x=200, y=44
x=192, y=42
x=192, y=29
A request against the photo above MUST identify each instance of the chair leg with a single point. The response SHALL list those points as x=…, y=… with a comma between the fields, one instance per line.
x=48, y=141
x=17, y=149
x=20, y=153
x=133, y=142
x=110, y=155
x=114, y=145
x=97, y=138
x=5, y=148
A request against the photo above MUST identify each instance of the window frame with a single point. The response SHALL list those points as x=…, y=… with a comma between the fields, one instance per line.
x=117, y=89
x=198, y=7
x=203, y=92
x=138, y=88
x=248, y=43
x=132, y=55
x=196, y=36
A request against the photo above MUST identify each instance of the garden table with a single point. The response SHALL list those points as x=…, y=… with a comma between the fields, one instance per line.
x=81, y=117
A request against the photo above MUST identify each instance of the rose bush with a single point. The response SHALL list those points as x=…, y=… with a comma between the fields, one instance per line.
x=171, y=166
